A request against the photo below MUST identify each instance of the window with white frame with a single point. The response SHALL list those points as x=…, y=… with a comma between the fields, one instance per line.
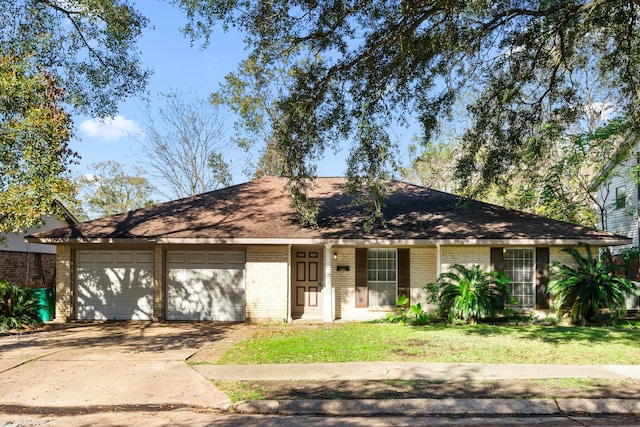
x=382, y=277
x=520, y=269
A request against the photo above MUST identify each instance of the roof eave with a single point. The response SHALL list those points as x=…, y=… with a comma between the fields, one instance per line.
x=87, y=240
x=606, y=241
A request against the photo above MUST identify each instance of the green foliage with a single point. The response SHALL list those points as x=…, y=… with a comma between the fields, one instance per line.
x=591, y=290
x=34, y=150
x=470, y=294
x=421, y=317
x=413, y=315
x=88, y=46
x=251, y=93
x=18, y=307
x=359, y=70
x=563, y=185
x=108, y=190
x=402, y=301
x=54, y=55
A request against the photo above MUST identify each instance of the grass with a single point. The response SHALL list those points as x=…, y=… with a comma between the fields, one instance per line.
x=472, y=344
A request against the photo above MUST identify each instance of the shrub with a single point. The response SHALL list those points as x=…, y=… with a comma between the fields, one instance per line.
x=591, y=289
x=18, y=307
x=470, y=294
x=413, y=315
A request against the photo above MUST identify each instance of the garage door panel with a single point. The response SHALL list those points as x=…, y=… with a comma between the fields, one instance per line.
x=209, y=290
x=119, y=289
x=236, y=260
x=105, y=258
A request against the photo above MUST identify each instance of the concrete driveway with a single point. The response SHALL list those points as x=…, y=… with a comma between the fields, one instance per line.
x=108, y=364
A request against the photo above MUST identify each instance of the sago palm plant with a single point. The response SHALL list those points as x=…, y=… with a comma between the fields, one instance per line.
x=18, y=307
x=470, y=293
x=590, y=288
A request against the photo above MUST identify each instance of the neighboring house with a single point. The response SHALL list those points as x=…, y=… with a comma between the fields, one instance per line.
x=239, y=253
x=617, y=192
x=32, y=264
x=617, y=189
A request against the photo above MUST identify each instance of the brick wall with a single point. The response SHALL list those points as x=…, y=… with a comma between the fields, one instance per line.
x=34, y=270
x=556, y=254
x=424, y=270
x=64, y=295
x=344, y=282
x=158, y=283
x=465, y=255
x=267, y=283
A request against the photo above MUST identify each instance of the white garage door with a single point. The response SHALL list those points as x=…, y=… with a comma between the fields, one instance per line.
x=205, y=285
x=114, y=285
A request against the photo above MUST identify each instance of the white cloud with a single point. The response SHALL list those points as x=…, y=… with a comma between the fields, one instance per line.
x=110, y=129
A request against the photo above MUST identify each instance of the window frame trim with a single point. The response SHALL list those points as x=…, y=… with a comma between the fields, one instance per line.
x=533, y=282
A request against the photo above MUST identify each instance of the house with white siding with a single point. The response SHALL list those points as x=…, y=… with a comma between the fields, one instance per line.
x=617, y=189
x=241, y=254
x=617, y=192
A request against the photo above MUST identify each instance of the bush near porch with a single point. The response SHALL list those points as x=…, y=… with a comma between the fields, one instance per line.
x=18, y=307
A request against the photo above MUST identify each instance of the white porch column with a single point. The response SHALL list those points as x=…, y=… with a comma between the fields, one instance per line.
x=438, y=261
x=289, y=302
x=328, y=287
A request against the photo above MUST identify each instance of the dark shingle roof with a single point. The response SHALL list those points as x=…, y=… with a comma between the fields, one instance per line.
x=260, y=211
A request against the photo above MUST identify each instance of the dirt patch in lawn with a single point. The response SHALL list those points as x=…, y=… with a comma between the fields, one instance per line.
x=398, y=389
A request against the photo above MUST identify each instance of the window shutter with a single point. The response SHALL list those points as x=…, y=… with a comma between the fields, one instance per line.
x=404, y=283
x=362, y=279
x=542, y=277
x=497, y=259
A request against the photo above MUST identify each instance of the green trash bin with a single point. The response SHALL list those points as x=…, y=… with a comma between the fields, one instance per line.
x=46, y=302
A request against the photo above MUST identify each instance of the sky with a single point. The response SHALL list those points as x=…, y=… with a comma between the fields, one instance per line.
x=176, y=65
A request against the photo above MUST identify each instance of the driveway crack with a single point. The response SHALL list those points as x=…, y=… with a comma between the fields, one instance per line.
x=34, y=359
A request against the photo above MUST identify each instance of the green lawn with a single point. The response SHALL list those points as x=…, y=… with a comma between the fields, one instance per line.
x=352, y=342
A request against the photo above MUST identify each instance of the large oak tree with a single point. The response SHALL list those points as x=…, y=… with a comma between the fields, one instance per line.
x=57, y=56
x=364, y=66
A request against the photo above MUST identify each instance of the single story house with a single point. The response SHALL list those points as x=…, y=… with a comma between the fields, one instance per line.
x=240, y=254
x=32, y=264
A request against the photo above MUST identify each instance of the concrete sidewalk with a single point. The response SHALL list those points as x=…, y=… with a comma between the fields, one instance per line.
x=107, y=367
x=431, y=372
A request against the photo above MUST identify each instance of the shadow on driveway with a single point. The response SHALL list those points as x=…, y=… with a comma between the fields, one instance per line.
x=120, y=337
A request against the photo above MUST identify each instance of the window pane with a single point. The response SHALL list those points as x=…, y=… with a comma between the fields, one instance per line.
x=520, y=270
x=382, y=277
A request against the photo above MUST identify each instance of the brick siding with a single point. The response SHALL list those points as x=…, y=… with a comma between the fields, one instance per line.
x=267, y=283
x=424, y=270
x=33, y=270
x=344, y=282
x=465, y=255
x=64, y=303
x=158, y=283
